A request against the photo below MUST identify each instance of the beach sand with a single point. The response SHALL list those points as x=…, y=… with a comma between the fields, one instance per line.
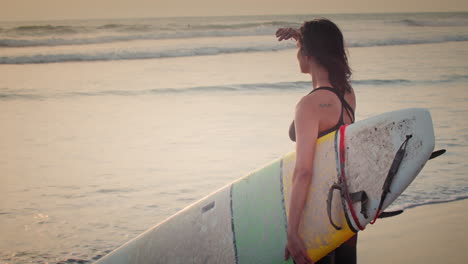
x=435, y=233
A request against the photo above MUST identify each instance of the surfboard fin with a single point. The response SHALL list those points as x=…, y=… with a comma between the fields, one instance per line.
x=361, y=197
x=390, y=214
x=437, y=153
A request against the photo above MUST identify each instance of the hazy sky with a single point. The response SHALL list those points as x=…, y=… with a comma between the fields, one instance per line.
x=63, y=9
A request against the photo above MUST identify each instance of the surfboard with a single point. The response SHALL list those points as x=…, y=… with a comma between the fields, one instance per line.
x=246, y=221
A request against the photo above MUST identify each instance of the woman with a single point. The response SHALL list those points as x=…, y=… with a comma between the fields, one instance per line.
x=331, y=103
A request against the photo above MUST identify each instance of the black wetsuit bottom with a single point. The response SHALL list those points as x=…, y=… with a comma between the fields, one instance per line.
x=346, y=253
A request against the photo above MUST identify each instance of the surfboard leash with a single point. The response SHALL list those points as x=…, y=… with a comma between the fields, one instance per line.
x=347, y=199
x=391, y=174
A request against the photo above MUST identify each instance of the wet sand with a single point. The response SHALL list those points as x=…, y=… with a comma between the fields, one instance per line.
x=435, y=233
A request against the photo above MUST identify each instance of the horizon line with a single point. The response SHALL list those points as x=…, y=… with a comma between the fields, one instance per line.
x=246, y=15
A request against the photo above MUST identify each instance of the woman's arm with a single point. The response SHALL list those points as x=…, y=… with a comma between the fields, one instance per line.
x=307, y=127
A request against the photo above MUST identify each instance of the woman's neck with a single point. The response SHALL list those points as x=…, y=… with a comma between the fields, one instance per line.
x=321, y=81
x=320, y=77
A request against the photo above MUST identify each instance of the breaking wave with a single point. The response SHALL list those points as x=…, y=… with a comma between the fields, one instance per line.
x=9, y=94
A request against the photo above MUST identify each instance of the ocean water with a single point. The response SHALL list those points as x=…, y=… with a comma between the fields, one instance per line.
x=110, y=126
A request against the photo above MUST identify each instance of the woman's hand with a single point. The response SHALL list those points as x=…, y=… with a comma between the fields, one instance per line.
x=287, y=33
x=296, y=249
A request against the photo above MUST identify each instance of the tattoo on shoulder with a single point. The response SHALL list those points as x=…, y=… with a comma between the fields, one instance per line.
x=324, y=105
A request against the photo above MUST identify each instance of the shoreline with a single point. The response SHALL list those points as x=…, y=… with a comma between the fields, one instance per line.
x=433, y=233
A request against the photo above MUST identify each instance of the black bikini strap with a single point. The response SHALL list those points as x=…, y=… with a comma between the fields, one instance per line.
x=344, y=104
x=349, y=110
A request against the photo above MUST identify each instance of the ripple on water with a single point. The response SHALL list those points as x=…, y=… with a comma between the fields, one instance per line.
x=73, y=261
x=115, y=190
x=186, y=199
x=186, y=190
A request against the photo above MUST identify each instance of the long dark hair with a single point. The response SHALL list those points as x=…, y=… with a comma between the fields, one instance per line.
x=323, y=40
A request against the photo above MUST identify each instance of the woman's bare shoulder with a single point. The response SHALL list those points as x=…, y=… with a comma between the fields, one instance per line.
x=319, y=100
